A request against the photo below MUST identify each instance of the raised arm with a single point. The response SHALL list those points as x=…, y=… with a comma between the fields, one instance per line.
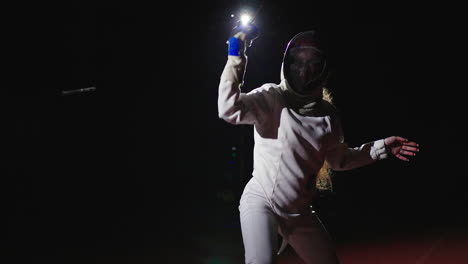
x=234, y=106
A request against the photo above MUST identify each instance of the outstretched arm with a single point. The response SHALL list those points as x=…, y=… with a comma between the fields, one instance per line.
x=401, y=147
x=342, y=157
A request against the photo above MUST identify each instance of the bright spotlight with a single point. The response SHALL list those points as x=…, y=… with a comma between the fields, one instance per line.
x=245, y=19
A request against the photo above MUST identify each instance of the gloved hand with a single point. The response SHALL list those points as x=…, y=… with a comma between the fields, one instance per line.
x=242, y=36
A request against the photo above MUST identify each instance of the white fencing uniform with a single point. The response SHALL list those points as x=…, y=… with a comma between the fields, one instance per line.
x=289, y=150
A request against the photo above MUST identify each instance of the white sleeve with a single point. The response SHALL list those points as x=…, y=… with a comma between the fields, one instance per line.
x=341, y=157
x=234, y=106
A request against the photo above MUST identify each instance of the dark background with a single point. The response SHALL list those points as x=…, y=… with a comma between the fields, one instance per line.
x=142, y=170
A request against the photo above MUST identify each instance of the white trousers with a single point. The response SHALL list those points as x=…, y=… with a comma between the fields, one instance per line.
x=260, y=226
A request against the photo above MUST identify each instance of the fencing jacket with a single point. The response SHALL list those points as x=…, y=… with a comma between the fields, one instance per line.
x=289, y=148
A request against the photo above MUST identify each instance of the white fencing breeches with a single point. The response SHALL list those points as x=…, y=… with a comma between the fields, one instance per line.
x=260, y=226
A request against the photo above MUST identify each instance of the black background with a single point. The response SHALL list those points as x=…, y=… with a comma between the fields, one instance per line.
x=143, y=168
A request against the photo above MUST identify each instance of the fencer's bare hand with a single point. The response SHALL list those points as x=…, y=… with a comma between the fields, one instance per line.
x=401, y=148
x=241, y=35
x=246, y=33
